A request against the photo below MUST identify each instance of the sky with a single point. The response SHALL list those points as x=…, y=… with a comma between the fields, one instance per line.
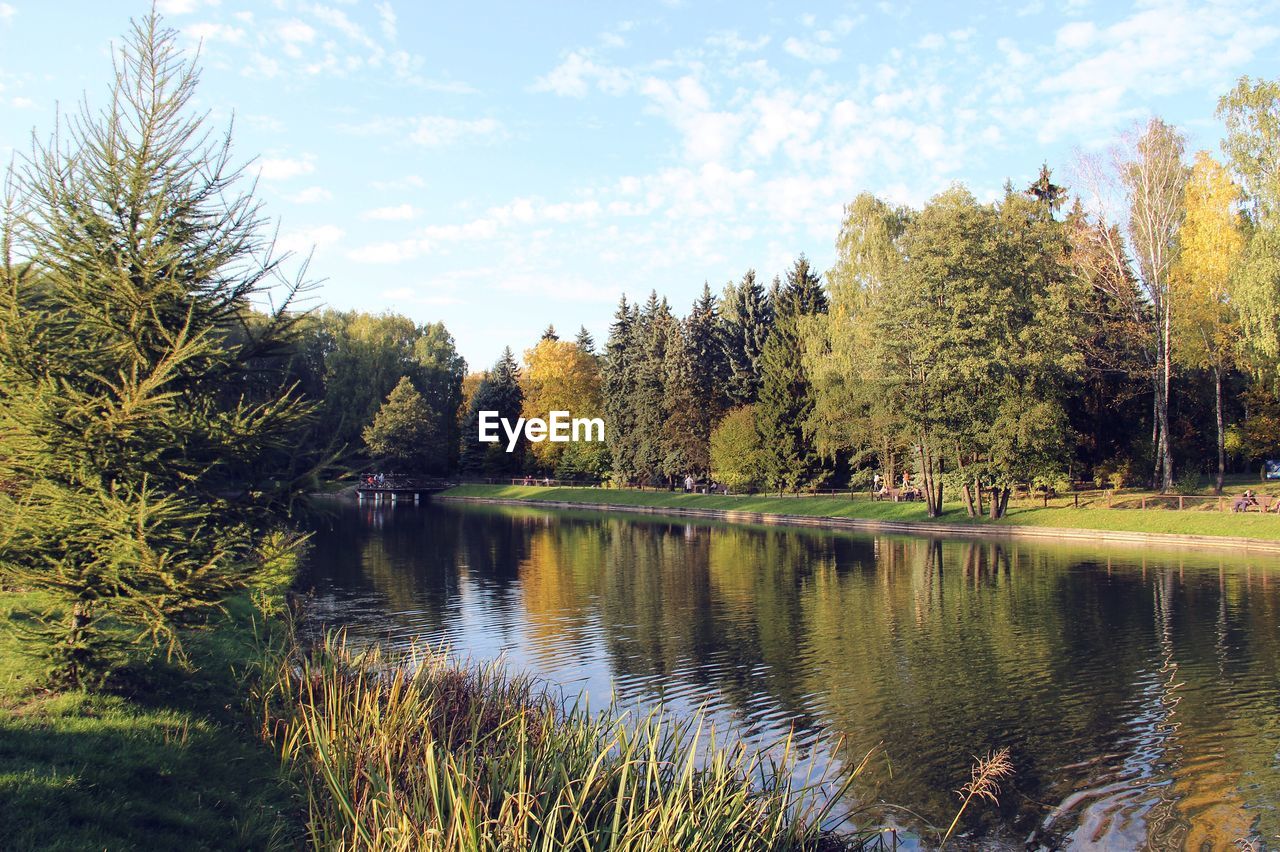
x=502, y=166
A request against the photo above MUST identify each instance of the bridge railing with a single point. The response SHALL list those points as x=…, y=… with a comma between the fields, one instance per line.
x=399, y=482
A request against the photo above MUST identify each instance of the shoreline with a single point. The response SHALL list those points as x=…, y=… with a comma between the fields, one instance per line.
x=1007, y=532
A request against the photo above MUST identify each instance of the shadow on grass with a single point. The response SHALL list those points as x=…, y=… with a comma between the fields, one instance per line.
x=163, y=759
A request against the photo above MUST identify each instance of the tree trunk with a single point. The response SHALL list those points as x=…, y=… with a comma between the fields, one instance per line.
x=1166, y=456
x=889, y=462
x=999, y=502
x=965, y=493
x=932, y=489
x=1222, y=446
x=77, y=632
x=977, y=486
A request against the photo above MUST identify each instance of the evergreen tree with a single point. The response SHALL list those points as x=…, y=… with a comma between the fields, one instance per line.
x=550, y=333
x=746, y=320
x=499, y=391
x=687, y=403
x=585, y=341
x=141, y=482
x=404, y=431
x=654, y=336
x=618, y=385
x=786, y=397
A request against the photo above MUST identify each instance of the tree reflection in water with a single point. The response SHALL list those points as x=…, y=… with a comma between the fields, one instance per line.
x=1139, y=693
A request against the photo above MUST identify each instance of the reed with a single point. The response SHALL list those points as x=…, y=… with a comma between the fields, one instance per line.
x=417, y=752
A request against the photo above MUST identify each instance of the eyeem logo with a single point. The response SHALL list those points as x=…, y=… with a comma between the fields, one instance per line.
x=559, y=429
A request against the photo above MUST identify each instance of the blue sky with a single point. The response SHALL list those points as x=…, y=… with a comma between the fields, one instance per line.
x=502, y=166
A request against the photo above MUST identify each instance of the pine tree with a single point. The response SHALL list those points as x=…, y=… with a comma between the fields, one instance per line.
x=550, y=333
x=142, y=484
x=786, y=398
x=746, y=320
x=404, y=430
x=585, y=341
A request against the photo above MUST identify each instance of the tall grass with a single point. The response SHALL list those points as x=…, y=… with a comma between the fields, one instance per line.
x=419, y=753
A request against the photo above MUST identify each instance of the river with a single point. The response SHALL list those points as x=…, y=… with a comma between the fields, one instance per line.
x=1138, y=690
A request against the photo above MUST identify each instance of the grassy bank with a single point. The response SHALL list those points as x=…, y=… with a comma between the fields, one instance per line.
x=1164, y=521
x=379, y=753
x=164, y=758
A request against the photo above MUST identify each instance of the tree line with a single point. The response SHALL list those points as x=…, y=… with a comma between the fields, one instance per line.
x=1124, y=332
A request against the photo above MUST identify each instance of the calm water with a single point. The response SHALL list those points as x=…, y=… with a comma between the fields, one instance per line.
x=1139, y=691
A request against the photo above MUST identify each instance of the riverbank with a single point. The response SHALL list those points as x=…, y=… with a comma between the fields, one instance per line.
x=1249, y=532
x=163, y=758
x=378, y=752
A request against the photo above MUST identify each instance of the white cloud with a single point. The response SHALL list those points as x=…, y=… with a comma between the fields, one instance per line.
x=296, y=31
x=387, y=20
x=811, y=51
x=424, y=295
x=1077, y=35
x=311, y=195
x=307, y=240
x=284, y=168
x=397, y=213
x=732, y=43
x=7, y=13
x=574, y=76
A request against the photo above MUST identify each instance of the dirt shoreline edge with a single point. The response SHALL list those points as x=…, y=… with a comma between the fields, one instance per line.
x=1007, y=533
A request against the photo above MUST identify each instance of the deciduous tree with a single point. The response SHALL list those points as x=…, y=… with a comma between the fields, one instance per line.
x=1210, y=246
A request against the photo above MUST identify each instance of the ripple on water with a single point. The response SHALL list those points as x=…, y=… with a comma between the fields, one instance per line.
x=1140, y=694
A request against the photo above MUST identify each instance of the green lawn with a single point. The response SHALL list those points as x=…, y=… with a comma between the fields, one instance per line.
x=1190, y=522
x=165, y=760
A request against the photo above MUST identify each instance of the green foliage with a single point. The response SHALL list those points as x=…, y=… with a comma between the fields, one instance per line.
x=404, y=429
x=349, y=361
x=703, y=379
x=747, y=320
x=737, y=460
x=499, y=391
x=138, y=473
x=786, y=398
x=1251, y=112
x=618, y=386
x=851, y=415
x=973, y=344
x=1260, y=432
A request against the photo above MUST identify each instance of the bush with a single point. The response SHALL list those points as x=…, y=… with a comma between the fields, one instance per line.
x=1190, y=481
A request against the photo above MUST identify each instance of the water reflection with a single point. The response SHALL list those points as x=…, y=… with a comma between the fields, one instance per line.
x=1139, y=693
